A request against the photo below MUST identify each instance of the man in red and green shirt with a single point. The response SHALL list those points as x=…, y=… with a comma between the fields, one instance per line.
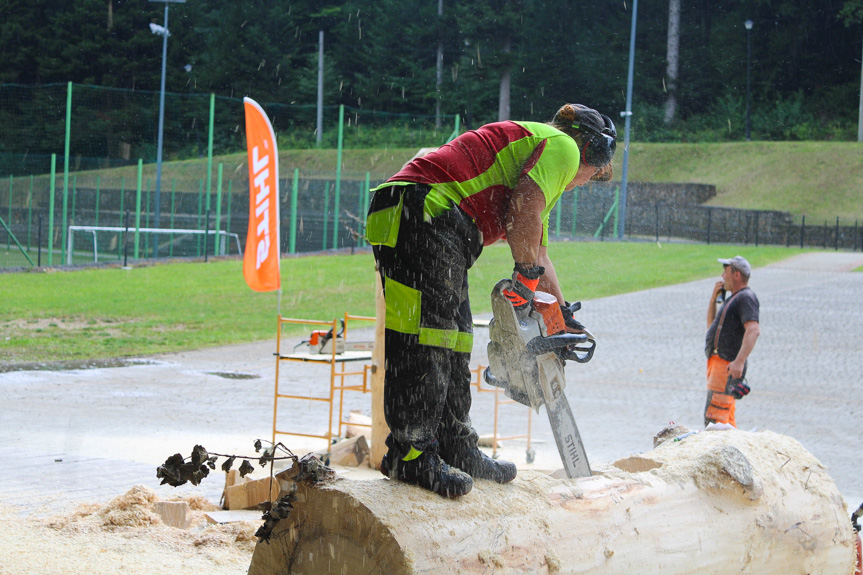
x=428, y=224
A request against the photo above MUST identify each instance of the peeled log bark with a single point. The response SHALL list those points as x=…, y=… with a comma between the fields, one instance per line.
x=715, y=502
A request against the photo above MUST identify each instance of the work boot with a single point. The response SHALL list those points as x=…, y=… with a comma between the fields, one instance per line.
x=426, y=469
x=480, y=466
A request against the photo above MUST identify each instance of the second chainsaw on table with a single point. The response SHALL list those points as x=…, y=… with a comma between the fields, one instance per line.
x=322, y=342
x=527, y=354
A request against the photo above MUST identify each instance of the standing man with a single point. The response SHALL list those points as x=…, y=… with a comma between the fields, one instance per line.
x=428, y=224
x=731, y=336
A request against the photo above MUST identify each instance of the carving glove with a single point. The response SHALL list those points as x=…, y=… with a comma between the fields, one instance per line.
x=567, y=309
x=524, y=282
x=737, y=388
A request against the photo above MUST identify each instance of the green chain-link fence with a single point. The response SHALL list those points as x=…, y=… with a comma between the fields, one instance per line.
x=81, y=156
x=76, y=159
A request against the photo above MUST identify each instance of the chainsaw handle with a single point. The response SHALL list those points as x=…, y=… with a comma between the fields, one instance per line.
x=540, y=345
x=580, y=354
x=329, y=334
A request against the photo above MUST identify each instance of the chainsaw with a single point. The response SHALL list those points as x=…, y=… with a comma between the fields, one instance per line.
x=526, y=355
x=322, y=342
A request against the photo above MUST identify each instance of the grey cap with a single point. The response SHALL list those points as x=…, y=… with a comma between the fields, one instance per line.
x=739, y=263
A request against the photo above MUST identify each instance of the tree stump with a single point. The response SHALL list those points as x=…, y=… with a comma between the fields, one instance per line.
x=713, y=502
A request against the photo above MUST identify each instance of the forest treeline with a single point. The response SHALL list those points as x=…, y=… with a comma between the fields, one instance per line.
x=480, y=59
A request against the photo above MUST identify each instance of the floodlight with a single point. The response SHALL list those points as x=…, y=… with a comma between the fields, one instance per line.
x=160, y=30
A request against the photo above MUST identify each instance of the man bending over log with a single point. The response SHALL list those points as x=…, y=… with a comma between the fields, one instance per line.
x=428, y=224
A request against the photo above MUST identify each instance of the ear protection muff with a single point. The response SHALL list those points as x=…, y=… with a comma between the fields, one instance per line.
x=600, y=146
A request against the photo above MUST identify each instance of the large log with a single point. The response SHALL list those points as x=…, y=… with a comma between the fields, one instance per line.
x=715, y=502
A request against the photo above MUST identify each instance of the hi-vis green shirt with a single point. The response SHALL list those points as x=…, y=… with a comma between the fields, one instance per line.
x=479, y=170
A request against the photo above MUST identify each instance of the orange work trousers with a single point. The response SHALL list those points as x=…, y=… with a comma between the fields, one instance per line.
x=720, y=406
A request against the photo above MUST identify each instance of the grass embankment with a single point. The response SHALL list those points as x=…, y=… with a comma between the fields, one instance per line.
x=821, y=180
x=109, y=313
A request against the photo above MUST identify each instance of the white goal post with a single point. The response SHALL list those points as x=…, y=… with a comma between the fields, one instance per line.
x=95, y=230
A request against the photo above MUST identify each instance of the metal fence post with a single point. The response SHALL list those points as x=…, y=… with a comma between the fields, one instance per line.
x=138, y=206
x=66, y=165
x=147, y=218
x=122, y=197
x=709, y=222
x=656, y=218
x=228, y=210
x=39, y=242
x=207, y=238
x=29, y=212
x=9, y=217
x=171, y=224
x=51, y=209
x=295, y=188
x=557, y=210
x=756, y=228
x=74, y=197
x=98, y=182
x=126, y=242
x=836, y=239
x=602, y=224
x=337, y=198
x=364, y=207
x=218, y=224
x=574, y=211
x=200, y=214
x=326, y=209
x=210, y=147
x=802, y=230
x=855, y=237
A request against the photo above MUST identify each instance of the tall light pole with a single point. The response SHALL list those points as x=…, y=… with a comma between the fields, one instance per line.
x=163, y=32
x=628, y=122
x=860, y=112
x=319, y=133
x=748, y=25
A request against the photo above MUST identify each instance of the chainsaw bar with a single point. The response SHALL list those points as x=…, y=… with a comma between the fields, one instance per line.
x=528, y=364
x=566, y=434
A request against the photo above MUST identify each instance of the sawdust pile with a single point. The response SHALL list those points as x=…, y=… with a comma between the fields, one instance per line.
x=127, y=533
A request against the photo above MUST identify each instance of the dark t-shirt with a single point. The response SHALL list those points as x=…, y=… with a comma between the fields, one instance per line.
x=742, y=307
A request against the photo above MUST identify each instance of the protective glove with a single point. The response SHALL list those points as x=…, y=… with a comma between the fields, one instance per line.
x=524, y=282
x=572, y=324
x=737, y=388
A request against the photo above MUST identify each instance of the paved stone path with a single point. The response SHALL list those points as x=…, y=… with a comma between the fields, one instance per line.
x=110, y=427
x=806, y=371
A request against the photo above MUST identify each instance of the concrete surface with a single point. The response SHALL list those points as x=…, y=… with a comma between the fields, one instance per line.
x=87, y=435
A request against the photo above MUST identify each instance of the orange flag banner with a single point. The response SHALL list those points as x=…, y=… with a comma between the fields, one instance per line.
x=261, y=256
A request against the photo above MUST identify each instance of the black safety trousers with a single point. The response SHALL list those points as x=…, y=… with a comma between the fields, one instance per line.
x=427, y=387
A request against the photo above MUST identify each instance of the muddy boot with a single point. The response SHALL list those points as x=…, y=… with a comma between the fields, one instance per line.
x=480, y=466
x=426, y=469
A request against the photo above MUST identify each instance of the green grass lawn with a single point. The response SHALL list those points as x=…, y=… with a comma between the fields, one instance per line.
x=114, y=312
